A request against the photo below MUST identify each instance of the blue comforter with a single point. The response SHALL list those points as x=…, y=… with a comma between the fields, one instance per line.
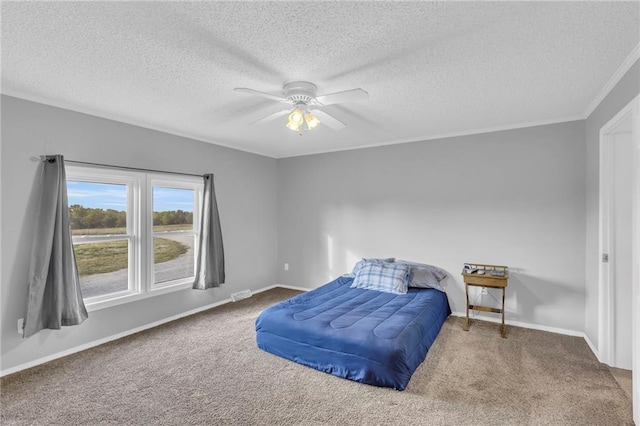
x=363, y=335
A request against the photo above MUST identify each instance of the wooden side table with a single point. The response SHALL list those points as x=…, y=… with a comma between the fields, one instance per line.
x=494, y=276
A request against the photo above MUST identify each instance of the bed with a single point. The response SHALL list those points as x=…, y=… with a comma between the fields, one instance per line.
x=368, y=336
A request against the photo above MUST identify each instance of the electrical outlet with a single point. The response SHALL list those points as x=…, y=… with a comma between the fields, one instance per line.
x=484, y=291
x=20, y=324
x=286, y=266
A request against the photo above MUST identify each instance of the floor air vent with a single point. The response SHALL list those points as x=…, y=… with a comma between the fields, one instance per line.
x=241, y=295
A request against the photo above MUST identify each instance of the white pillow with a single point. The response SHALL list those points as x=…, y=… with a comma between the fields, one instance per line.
x=425, y=276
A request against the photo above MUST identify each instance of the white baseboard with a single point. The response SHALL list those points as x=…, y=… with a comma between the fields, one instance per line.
x=222, y=302
x=592, y=347
x=549, y=329
x=111, y=338
x=556, y=330
x=290, y=287
x=117, y=336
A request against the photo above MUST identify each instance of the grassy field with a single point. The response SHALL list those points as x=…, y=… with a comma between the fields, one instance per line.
x=120, y=231
x=109, y=256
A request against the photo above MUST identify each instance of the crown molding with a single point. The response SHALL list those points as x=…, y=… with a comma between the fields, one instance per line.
x=120, y=119
x=617, y=76
x=445, y=135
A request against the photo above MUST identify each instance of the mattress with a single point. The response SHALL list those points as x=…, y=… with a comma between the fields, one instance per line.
x=367, y=336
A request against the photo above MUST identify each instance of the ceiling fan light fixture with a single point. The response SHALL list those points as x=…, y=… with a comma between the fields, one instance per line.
x=311, y=120
x=293, y=126
x=301, y=95
x=296, y=116
x=295, y=120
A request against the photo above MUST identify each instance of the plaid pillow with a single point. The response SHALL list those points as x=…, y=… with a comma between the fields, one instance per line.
x=364, y=261
x=384, y=276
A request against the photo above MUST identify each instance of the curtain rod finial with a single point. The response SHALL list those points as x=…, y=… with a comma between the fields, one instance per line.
x=43, y=158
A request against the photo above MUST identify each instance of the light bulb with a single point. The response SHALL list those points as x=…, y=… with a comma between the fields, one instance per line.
x=296, y=116
x=293, y=125
x=311, y=120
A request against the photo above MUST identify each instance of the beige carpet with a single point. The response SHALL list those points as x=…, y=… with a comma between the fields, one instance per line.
x=207, y=370
x=624, y=379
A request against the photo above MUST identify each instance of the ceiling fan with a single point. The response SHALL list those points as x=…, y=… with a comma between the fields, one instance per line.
x=304, y=105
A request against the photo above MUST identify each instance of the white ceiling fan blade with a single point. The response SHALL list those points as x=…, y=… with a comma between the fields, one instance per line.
x=261, y=94
x=271, y=116
x=352, y=95
x=328, y=120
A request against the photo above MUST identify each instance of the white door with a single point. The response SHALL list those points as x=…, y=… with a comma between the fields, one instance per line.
x=622, y=151
x=619, y=278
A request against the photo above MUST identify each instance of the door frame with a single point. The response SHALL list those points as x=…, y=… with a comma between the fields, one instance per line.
x=605, y=245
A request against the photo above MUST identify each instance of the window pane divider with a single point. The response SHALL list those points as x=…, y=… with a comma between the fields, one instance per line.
x=85, y=239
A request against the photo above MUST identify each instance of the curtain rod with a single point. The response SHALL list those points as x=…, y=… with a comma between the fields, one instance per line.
x=44, y=158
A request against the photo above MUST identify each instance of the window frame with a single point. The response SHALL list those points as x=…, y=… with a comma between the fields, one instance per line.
x=175, y=182
x=140, y=186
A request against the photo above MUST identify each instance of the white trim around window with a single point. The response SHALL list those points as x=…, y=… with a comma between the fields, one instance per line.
x=139, y=229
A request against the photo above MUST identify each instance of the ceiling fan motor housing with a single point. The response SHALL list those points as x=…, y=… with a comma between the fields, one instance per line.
x=300, y=92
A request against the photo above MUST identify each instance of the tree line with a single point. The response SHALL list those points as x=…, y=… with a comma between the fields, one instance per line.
x=91, y=218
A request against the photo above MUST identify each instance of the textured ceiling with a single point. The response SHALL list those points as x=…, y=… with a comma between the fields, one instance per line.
x=431, y=68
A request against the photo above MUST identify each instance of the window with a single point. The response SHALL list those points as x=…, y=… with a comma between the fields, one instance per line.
x=102, y=241
x=134, y=233
x=173, y=231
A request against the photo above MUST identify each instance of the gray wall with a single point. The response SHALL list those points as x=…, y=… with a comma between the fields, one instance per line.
x=514, y=198
x=247, y=197
x=623, y=93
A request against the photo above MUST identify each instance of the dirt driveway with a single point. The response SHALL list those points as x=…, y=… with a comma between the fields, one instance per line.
x=180, y=267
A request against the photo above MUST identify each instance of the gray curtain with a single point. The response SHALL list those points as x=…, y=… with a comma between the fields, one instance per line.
x=210, y=262
x=54, y=298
